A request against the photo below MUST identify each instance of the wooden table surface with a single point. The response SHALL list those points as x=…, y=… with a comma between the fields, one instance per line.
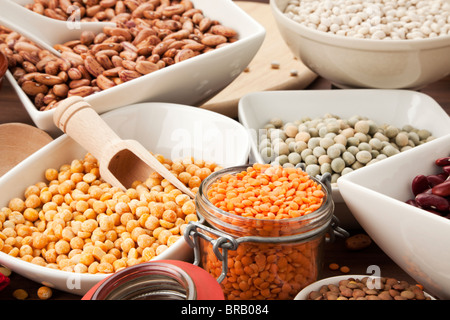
x=12, y=110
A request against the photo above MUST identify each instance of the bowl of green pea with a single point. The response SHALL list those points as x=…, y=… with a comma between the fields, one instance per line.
x=338, y=131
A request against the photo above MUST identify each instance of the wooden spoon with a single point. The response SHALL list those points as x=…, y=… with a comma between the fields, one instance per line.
x=17, y=142
x=121, y=162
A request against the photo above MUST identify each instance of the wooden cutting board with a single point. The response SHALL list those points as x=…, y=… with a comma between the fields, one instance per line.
x=261, y=76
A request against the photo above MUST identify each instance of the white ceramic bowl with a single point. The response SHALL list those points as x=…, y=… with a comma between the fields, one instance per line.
x=175, y=131
x=415, y=239
x=395, y=107
x=315, y=286
x=190, y=82
x=365, y=63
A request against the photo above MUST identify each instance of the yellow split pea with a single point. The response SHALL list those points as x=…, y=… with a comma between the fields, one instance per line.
x=76, y=222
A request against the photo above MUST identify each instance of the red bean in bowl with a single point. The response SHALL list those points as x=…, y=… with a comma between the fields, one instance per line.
x=432, y=192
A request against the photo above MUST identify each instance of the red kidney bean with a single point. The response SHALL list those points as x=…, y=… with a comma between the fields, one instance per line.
x=431, y=201
x=435, y=179
x=419, y=184
x=435, y=212
x=445, y=161
x=432, y=192
x=412, y=202
x=442, y=189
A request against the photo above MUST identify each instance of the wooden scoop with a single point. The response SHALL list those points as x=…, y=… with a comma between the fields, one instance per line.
x=121, y=162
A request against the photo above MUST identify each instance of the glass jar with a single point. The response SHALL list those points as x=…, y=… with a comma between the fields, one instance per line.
x=259, y=258
x=158, y=280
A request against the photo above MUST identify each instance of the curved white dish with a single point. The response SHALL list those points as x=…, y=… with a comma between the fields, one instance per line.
x=415, y=239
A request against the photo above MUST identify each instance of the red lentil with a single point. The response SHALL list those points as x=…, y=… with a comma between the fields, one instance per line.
x=265, y=201
x=266, y=192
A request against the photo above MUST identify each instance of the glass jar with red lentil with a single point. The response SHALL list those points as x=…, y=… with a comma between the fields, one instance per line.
x=262, y=230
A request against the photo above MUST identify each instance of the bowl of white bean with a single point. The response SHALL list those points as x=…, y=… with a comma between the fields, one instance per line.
x=338, y=131
x=414, y=237
x=369, y=44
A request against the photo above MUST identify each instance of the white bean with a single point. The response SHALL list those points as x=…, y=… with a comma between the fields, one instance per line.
x=375, y=19
x=334, y=145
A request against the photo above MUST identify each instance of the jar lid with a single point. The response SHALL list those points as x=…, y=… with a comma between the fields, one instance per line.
x=158, y=280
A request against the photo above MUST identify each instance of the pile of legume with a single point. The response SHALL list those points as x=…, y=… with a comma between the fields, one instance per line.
x=268, y=200
x=358, y=289
x=267, y=192
x=374, y=19
x=149, y=35
x=333, y=144
x=261, y=271
x=76, y=222
x=432, y=192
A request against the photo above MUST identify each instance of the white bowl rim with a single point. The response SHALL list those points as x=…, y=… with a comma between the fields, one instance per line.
x=356, y=43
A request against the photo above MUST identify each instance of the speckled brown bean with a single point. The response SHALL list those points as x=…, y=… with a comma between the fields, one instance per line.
x=61, y=90
x=346, y=291
x=358, y=293
x=33, y=88
x=177, y=32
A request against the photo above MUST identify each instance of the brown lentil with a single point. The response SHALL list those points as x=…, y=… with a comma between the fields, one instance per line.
x=333, y=266
x=358, y=241
x=357, y=289
x=92, y=227
x=344, y=269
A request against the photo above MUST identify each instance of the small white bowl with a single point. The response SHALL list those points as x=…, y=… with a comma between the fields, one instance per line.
x=315, y=286
x=190, y=82
x=415, y=239
x=175, y=131
x=395, y=107
x=365, y=63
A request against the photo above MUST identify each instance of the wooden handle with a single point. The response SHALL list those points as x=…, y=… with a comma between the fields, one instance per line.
x=76, y=117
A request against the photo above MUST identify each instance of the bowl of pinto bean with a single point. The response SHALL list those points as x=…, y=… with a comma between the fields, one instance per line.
x=161, y=51
x=403, y=204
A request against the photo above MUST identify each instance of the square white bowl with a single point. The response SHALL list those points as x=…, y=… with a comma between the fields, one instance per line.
x=175, y=131
x=415, y=239
x=395, y=107
x=190, y=82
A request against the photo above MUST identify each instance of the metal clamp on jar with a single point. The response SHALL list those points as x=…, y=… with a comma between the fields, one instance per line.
x=261, y=258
